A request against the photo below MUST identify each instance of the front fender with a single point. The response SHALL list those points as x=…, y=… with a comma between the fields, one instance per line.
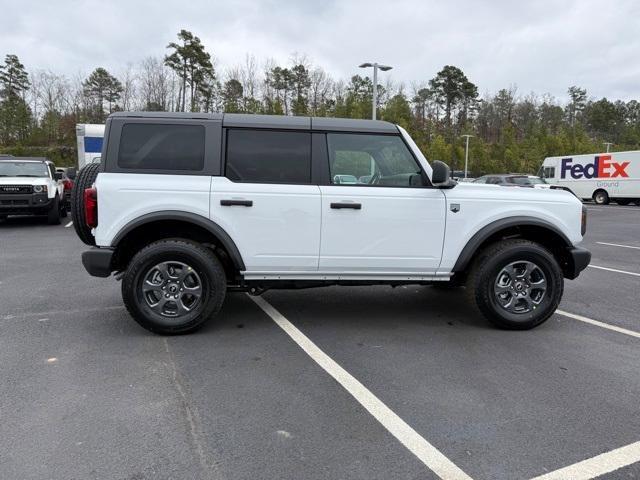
x=486, y=232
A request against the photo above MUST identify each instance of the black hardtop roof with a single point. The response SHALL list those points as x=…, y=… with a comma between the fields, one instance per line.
x=247, y=120
x=24, y=159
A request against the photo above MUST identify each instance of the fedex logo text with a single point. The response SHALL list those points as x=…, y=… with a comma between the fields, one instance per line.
x=602, y=167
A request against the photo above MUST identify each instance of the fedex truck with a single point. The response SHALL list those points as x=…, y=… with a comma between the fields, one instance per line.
x=89, y=137
x=602, y=177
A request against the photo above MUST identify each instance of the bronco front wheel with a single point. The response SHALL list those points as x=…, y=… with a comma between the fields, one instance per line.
x=516, y=284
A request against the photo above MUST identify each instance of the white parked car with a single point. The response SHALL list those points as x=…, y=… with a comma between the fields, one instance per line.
x=31, y=186
x=185, y=207
x=538, y=182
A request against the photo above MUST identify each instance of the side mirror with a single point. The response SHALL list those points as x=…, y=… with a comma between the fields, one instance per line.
x=441, y=175
x=57, y=175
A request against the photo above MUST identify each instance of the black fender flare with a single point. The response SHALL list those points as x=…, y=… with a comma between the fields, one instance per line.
x=216, y=230
x=474, y=243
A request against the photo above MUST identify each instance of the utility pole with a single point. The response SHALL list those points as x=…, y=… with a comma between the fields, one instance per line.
x=608, y=144
x=466, y=153
x=375, y=66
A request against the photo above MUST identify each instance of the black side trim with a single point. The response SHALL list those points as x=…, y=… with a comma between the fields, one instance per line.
x=97, y=261
x=474, y=243
x=215, y=229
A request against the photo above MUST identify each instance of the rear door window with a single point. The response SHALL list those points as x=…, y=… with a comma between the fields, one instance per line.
x=268, y=156
x=161, y=147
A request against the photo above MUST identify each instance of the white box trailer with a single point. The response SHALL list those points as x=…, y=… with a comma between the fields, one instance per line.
x=598, y=176
x=89, y=137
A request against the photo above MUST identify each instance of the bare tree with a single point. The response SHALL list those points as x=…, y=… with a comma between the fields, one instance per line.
x=129, y=87
x=156, y=85
x=319, y=91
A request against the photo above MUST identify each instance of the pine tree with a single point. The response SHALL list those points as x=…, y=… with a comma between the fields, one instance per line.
x=192, y=64
x=101, y=87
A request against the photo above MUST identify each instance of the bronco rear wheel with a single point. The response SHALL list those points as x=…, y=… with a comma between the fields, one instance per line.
x=516, y=284
x=174, y=286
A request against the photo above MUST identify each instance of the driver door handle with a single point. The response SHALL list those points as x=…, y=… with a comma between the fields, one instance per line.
x=353, y=206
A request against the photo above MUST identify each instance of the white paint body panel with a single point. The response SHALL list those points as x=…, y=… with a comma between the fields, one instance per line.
x=396, y=230
x=616, y=187
x=279, y=233
x=482, y=204
x=124, y=197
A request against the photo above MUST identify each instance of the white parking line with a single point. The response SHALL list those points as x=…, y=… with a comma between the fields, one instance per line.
x=599, y=324
x=421, y=448
x=615, y=270
x=68, y=225
x=617, y=245
x=598, y=465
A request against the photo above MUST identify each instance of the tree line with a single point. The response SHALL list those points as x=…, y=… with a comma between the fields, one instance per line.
x=511, y=132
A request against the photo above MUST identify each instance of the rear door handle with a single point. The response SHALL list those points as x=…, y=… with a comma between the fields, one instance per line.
x=239, y=203
x=354, y=206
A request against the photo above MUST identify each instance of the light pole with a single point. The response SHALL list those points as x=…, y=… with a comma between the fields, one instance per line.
x=608, y=144
x=466, y=153
x=375, y=66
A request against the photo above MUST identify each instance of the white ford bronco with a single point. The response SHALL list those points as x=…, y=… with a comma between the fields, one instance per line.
x=31, y=186
x=186, y=207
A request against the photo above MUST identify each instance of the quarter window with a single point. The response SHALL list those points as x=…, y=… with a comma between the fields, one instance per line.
x=268, y=156
x=371, y=160
x=161, y=147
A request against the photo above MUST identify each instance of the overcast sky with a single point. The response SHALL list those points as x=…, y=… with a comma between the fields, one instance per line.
x=541, y=46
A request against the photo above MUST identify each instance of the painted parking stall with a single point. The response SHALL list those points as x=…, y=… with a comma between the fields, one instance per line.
x=242, y=398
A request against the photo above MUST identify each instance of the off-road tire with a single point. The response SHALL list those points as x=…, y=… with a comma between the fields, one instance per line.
x=86, y=177
x=205, y=264
x=484, y=274
x=53, y=215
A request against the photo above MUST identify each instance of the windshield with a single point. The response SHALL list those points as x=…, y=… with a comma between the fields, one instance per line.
x=23, y=169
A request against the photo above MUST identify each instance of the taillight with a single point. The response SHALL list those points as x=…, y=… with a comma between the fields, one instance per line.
x=91, y=207
x=583, y=221
x=68, y=184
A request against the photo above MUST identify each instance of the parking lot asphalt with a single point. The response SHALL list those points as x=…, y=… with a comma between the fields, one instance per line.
x=86, y=393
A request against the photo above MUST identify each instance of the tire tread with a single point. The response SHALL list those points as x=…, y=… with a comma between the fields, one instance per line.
x=86, y=177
